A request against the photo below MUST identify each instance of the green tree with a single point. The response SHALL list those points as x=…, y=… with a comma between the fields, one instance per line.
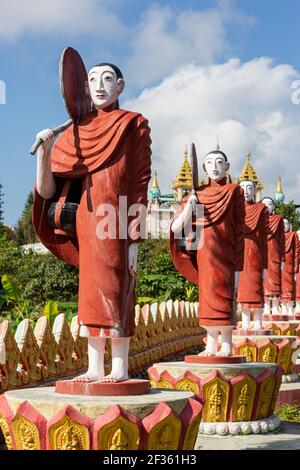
x=11, y=256
x=39, y=277
x=289, y=211
x=157, y=278
x=24, y=229
x=44, y=277
x=1, y=205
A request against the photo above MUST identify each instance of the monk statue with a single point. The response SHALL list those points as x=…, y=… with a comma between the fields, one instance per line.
x=96, y=164
x=276, y=257
x=291, y=268
x=219, y=255
x=250, y=290
x=297, y=294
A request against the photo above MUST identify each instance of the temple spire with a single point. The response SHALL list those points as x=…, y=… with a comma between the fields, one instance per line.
x=279, y=195
x=184, y=176
x=154, y=191
x=155, y=182
x=184, y=181
x=249, y=173
x=279, y=186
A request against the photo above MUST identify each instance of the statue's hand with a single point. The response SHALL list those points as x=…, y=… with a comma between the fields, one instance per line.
x=46, y=135
x=191, y=201
x=185, y=216
x=132, y=258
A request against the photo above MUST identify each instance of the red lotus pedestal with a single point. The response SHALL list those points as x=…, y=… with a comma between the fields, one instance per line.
x=103, y=389
x=214, y=359
x=277, y=317
x=251, y=332
x=42, y=419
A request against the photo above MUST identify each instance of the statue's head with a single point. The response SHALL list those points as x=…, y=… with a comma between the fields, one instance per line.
x=287, y=225
x=270, y=204
x=216, y=165
x=249, y=190
x=106, y=83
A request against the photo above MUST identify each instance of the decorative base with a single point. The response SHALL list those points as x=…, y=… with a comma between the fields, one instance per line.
x=214, y=359
x=282, y=328
x=230, y=392
x=251, y=332
x=40, y=419
x=278, y=317
x=102, y=389
x=273, y=348
x=289, y=378
x=247, y=427
x=289, y=393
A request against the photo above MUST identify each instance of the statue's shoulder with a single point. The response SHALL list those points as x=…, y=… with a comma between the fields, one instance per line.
x=135, y=117
x=234, y=189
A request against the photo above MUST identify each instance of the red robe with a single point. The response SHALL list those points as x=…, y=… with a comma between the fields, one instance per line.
x=276, y=254
x=220, y=252
x=298, y=287
x=250, y=290
x=108, y=155
x=291, y=266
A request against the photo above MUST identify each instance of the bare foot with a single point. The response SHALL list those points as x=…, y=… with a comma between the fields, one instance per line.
x=87, y=377
x=223, y=353
x=257, y=328
x=206, y=353
x=113, y=378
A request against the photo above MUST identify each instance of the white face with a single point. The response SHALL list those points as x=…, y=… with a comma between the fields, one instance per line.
x=287, y=226
x=249, y=190
x=215, y=166
x=104, y=85
x=269, y=205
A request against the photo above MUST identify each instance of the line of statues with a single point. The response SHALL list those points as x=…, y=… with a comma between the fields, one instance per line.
x=248, y=260
x=244, y=246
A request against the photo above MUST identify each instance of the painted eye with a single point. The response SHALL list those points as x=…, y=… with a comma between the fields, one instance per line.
x=108, y=79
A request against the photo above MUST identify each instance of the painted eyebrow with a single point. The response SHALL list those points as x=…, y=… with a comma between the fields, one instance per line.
x=104, y=71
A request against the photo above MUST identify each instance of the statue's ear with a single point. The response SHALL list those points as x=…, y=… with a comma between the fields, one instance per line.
x=121, y=83
x=204, y=168
x=227, y=166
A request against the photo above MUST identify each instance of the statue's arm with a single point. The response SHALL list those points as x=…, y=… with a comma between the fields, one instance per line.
x=140, y=174
x=45, y=182
x=297, y=249
x=239, y=232
x=265, y=230
x=184, y=214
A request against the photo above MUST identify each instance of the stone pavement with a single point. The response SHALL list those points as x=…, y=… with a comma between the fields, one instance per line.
x=287, y=438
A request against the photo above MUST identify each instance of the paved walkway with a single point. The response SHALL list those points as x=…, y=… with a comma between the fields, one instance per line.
x=287, y=438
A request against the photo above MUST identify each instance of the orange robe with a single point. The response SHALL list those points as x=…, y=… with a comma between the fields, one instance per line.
x=291, y=266
x=250, y=290
x=297, y=296
x=107, y=155
x=276, y=254
x=220, y=252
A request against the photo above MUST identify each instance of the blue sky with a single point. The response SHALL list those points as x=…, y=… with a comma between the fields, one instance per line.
x=150, y=41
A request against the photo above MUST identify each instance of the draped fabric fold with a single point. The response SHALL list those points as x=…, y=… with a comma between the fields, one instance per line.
x=250, y=289
x=291, y=267
x=108, y=154
x=276, y=255
x=220, y=251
